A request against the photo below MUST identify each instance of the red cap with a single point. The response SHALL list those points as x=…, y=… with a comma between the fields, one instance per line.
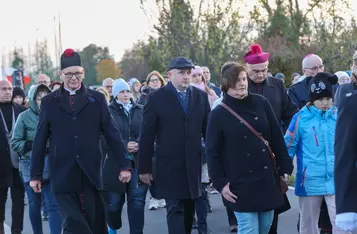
x=256, y=55
x=68, y=52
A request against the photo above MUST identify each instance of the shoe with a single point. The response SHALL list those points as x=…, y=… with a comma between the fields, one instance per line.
x=207, y=231
x=233, y=228
x=153, y=204
x=161, y=203
x=211, y=190
x=44, y=216
x=111, y=231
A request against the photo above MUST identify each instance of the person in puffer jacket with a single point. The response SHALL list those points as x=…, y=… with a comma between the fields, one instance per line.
x=21, y=142
x=310, y=137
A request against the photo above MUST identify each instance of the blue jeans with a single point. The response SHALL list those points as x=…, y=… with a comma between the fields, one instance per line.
x=254, y=223
x=136, y=196
x=54, y=216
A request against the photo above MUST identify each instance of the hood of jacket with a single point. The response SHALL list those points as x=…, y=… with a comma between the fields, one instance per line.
x=33, y=93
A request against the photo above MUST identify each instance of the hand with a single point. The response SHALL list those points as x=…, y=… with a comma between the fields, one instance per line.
x=36, y=185
x=347, y=221
x=228, y=195
x=132, y=147
x=125, y=176
x=285, y=178
x=146, y=178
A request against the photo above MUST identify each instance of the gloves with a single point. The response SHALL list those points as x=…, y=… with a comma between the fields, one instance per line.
x=347, y=221
x=28, y=146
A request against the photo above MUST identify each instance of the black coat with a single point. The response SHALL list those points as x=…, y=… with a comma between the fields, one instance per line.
x=238, y=156
x=74, y=139
x=274, y=90
x=6, y=168
x=178, y=142
x=346, y=156
x=129, y=126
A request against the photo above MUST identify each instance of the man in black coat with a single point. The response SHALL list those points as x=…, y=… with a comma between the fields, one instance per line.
x=273, y=89
x=9, y=161
x=345, y=165
x=175, y=118
x=73, y=118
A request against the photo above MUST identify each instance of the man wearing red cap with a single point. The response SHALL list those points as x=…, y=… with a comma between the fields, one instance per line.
x=273, y=89
x=71, y=120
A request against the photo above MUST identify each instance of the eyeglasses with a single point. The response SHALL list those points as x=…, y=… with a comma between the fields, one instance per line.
x=154, y=80
x=316, y=68
x=259, y=71
x=69, y=75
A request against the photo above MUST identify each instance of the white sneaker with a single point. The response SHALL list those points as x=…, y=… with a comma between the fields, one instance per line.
x=153, y=204
x=161, y=203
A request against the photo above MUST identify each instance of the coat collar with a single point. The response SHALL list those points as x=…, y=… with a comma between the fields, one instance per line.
x=84, y=97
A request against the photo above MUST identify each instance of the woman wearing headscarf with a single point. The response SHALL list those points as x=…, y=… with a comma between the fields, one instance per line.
x=247, y=157
x=18, y=96
x=135, y=86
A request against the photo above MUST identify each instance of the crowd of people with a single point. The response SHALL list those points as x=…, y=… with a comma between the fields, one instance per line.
x=79, y=154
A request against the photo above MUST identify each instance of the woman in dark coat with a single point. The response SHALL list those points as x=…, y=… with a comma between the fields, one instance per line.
x=128, y=117
x=239, y=162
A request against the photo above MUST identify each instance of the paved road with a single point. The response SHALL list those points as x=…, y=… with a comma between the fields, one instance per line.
x=155, y=220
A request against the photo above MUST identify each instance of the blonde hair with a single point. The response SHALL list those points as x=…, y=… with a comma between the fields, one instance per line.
x=156, y=73
x=105, y=92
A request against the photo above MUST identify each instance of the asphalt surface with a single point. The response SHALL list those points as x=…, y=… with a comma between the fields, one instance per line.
x=155, y=221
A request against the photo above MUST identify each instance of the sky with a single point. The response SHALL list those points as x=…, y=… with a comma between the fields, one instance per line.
x=113, y=23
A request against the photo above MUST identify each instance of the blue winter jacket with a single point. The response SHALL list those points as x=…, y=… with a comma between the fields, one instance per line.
x=310, y=137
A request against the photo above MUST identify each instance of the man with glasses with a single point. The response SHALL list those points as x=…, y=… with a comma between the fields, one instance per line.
x=72, y=118
x=108, y=85
x=299, y=92
x=273, y=89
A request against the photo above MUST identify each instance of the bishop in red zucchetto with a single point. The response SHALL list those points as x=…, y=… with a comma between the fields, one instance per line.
x=256, y=55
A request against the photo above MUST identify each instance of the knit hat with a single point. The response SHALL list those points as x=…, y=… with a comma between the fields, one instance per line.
x=17, y=91
x=196, y=70
x=70, y=58
x=133, y=81
x=343, y=77
x=322, y=86
x=256, y=55
x=118, y=86
x=279, y=75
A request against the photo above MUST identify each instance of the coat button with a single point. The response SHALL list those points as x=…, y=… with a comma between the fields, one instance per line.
x=75, y=137
x=260, y=134
x=251, y=171
x=248, y=154
x=245, y=137
x=265, y=167
x=263, y=150
x=256, y=118
x=77, y=156
x=74, y=118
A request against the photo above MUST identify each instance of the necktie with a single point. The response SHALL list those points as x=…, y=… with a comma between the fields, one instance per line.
x=184, y=100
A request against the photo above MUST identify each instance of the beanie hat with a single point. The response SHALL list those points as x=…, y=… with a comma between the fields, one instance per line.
x=17, y=91
x=322, y=86
x=256, y=55
x=118, y=86
x=70, y=58
x=133, y=81
x=342, y=74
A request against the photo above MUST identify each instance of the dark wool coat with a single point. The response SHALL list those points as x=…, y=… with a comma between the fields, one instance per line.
x=238, y=156
x=74, y=139
x=178, y=147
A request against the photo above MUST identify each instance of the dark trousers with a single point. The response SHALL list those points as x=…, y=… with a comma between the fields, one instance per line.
x=274, y=225
x=231, y=217
x=201, y=205
x=180, y=215
x=17, y=192
x=82, y=212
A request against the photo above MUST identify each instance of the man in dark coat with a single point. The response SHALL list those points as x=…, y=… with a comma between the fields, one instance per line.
x=175, y=117
x=73, y=118
x=273, y=89
x=9, y=164
x=345, y=165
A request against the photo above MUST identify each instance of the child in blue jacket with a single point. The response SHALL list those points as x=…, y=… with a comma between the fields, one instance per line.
x=310, y=137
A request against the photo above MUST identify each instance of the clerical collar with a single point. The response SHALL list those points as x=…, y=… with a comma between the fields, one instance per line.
x=72, y=92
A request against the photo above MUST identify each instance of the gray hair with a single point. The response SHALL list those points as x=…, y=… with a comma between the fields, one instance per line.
x=107, y=79
x=306, y=60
